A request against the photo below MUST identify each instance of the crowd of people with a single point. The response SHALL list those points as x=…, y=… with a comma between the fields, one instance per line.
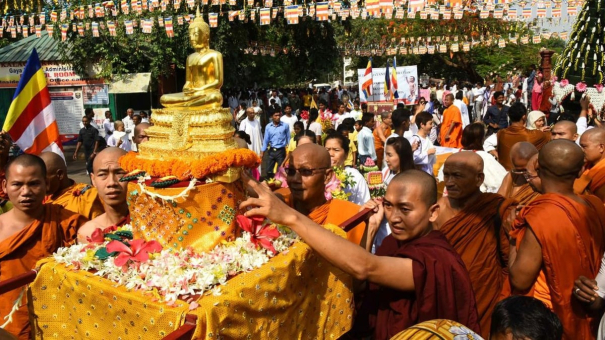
x=503, y=240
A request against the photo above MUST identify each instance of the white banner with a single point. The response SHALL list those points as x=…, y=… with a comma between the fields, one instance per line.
x=69, y=109
x=407, y=85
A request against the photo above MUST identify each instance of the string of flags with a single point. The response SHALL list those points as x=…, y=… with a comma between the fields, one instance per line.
x=104, y=16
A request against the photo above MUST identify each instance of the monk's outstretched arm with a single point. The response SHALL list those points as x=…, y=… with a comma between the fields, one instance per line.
x=524, y=265
x=393, y=272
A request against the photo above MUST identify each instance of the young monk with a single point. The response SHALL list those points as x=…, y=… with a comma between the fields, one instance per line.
x=29, y=232
x=415, y=276
x=106, y=175
x=593, y=179
x=77, y=197
x=561, y=233
x=470, y=221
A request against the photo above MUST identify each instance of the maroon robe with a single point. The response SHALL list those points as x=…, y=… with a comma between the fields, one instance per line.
x=443, y=289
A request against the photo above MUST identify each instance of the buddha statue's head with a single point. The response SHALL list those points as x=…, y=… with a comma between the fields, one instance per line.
x=199, y=32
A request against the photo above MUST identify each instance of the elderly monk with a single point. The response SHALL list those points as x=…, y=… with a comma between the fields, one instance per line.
x=307, y=174
x=517, y=132
x=415, y=275
x=564, y=129
x=106, y=175
x=515, y=185
x=29, y=232
x=561, y=233
x=593, y=179
x=77, y=197
x=470, y=221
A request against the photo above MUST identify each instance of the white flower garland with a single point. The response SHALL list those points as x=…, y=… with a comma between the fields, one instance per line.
x=172, y=275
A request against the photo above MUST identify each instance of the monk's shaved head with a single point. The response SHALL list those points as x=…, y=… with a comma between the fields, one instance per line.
x=317, y=155
x=564, y=129
x=593, y=145
x=426, y=182
x=596, y=135
x=26, y=160
x=468, y=159
x=53, y=162
x=523, y=150
x=533, y=179
x=560, y=159
x=102, y=157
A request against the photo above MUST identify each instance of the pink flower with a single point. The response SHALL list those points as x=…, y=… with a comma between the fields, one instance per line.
x=137, y=252
x=98, y=235
x=259, y=233
x=554, y=78
x=564, y=82
x=304, y=115
x=333, y=185
x=599, y=87
x=581, y=86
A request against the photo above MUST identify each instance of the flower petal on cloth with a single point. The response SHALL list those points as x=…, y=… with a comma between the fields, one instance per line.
x=97, y=236
x=121, y=259
x=267, y=244
x=119, y=247
x=245, y=223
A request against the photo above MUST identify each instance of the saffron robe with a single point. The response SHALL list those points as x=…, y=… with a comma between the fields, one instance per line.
x=523, y=195
x=20, y=252
x=572, y=237
x=442, y=289
x=592, y=181
x=476, y=234
x=514, y=134
x=451, y=115
x=336, y=212
x=79, y=198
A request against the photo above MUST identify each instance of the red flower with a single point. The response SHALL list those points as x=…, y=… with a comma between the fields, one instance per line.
x=259, y=233
x=98, y=236
x=137, y=252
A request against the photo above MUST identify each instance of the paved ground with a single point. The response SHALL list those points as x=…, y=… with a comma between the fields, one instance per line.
x=76, y=170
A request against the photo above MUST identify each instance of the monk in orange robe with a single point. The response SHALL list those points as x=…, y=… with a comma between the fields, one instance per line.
x=29, y=232
x=415, y=275
x=470, y=220
x=561, y=233
x=106, y=175
x=77, y=197
x=451, y=127
x=308, y=173
x=515, y=185
x=517, y=132
x=381, y=133
x=593, y=179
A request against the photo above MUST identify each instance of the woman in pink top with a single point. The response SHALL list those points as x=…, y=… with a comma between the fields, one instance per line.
x=536, y=92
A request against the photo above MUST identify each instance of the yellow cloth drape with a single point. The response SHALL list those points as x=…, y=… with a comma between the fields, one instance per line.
x=296, y=295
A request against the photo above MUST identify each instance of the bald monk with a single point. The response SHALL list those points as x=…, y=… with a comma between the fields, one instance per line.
x=307, y=189
x=77, y=197
x=514, y=184
x=106, y=175
x=517, y=132
x=564, y=129
x=415, y=275
x=140, y=136
x=29, y=232
x=593, y=179
x=561, y=233
x=470, y=221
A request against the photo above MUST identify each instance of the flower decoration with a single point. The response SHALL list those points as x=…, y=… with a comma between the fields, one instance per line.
x=554, y=78
x=599, y=87
x=304, y=115
x=98, y=235
x=137, y=251
x=336, y=188
x=581, y=86
x=564, y=82
x=261, y=233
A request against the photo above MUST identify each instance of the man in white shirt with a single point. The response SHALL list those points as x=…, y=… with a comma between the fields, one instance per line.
x=288, y=117
x=108, y=126
x=365, y=139
x=478, y=93
x=356, y=112
x=342, y=114
x=463, y=109
x=424, y=155
x=275, y=97
x=128, y=123
x=400, y=118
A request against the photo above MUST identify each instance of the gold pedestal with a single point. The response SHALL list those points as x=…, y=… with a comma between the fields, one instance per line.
x=188, y=133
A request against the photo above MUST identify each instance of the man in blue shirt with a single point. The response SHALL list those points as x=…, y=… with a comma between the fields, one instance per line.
x=496, y=117
x=365, y=139
x=277, y=137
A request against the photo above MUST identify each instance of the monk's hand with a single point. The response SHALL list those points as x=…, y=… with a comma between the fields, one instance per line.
x=266, y=203
x=585, y=102
x=585, y=289
x=375, y=205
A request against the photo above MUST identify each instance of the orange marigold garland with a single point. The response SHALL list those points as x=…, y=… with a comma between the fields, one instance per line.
x=185, y=170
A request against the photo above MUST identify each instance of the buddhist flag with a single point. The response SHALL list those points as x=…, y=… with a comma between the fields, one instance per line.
x=265, y=16
x=415, y=6
x=213, y=19
x=292, y=14
x=394, y=79
x=387, y=83
x=367, y=81
x=321, y=11
x=31, y=120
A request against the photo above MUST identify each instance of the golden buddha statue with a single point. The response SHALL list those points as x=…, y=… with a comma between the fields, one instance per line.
x=204, y=72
